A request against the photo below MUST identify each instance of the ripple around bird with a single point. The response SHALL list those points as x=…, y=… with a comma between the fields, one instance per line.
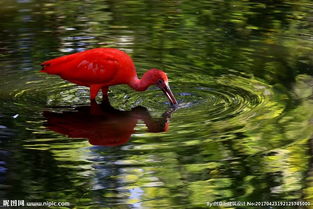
x=220, y=98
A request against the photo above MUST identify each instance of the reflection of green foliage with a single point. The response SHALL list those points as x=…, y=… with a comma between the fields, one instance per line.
x=260, y=51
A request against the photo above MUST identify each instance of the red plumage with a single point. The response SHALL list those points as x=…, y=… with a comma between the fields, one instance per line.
x=103, y=67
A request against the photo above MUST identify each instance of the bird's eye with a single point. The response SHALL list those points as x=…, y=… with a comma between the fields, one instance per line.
x=160, y=81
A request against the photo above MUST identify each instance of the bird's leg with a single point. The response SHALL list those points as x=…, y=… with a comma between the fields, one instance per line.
x=94, y=91
x=95, y=109
x=105, y=97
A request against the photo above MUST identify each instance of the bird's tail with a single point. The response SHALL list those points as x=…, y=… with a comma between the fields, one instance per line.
x=51, y=67
x=56, y=65
x=44, y=68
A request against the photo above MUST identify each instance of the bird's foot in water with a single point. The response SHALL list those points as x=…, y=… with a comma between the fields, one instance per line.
x=105, y=100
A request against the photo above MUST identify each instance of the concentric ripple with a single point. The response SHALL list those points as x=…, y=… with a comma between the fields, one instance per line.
x=226, y=97
x=222, y=104
x=221, y=101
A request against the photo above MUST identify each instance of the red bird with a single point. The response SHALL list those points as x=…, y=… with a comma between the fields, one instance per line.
x=103, y=67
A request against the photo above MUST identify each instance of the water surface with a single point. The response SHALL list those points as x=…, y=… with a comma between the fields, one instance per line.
x=240, y=70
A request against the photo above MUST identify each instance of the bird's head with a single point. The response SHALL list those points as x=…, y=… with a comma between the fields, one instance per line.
x=159, y=78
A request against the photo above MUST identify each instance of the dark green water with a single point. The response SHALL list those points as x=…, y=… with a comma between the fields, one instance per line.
x=242, y=72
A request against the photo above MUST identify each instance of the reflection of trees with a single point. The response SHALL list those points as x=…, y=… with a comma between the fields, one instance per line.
x=237, y=158
x=248, y=174
x=39, y=171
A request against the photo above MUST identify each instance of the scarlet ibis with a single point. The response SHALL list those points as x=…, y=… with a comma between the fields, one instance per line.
x=101, y=68
x=103, y=125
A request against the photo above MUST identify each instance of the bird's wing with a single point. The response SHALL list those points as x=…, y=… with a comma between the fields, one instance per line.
x=85, y=67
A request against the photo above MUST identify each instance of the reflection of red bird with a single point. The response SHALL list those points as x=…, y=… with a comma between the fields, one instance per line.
x=102, y=124
x=103, y=67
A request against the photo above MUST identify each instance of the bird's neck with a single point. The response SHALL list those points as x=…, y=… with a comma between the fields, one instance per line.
x=139, y=84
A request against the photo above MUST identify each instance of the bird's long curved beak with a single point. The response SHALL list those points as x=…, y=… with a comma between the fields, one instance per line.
x=167, y=91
